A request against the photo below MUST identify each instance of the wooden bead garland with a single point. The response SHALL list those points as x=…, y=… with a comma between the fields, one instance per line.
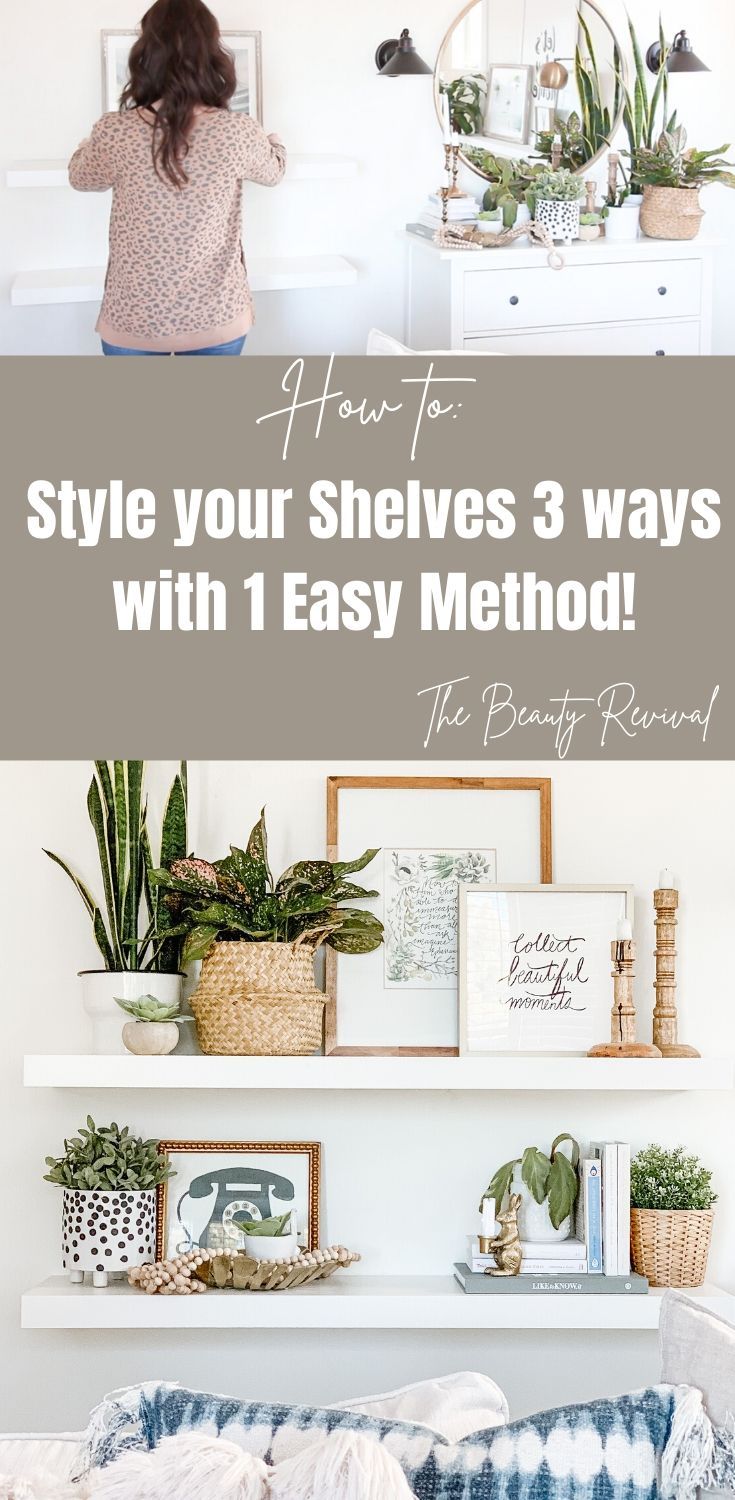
x=171, y=1278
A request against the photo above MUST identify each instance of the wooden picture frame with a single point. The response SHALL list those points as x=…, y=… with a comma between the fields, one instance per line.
x=245, y=46
x=311, y=1172
x=336, y=785
x=534, y=967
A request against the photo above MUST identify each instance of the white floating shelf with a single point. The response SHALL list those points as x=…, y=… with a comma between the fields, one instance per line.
x=347, y=1301
x=55, y=174
x=491, y=1075
x=279, y=274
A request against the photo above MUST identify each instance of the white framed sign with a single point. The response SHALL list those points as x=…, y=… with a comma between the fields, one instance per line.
x=535, y=968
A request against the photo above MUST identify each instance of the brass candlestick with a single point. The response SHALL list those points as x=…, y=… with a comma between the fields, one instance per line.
x=622, y=1016
x=665, y=1018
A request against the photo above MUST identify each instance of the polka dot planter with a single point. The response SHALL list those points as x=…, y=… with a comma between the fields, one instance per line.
x=105, y=1232
x=561, y=219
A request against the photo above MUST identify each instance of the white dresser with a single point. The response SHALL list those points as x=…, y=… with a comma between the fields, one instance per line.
x=648, y=297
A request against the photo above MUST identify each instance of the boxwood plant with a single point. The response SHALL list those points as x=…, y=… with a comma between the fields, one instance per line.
x=106, y=1159
x=237, y=899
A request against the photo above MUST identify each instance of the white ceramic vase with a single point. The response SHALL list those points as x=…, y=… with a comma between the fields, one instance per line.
x=104, y=1232
x=271, y=1247
x=100, y=991
x=622, y=224
x=534, y=1222
x=560, y=219
x=150, y=1038
x=523, y=216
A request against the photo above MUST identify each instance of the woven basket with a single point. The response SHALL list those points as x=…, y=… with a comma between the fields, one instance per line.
x=258, y=1000
x=671, y=213
x=671, y=1248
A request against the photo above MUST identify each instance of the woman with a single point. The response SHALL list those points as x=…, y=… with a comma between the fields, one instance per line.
x=176, y=157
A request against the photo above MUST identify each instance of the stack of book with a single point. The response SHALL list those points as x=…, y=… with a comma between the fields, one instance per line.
x=461, y=210
x=595, y=1260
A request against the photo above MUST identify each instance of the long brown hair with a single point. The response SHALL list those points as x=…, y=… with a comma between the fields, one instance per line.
x=177, y=63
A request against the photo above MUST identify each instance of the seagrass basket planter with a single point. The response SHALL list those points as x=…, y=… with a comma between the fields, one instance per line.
x=671, y=213
x=671, y=1247
x=258, y=1000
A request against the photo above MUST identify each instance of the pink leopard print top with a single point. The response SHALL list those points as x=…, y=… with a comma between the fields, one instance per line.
x=176, y=277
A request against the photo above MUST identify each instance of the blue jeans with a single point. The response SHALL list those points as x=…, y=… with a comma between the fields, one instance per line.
x=235, y=347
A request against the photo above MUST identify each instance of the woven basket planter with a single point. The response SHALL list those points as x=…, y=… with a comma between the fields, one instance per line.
x=671, y=1248
x=671, y=213
x=258, y=1000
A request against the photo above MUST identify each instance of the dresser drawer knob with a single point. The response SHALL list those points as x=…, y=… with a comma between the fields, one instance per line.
x=514, y=301
x=662, y=291
x=660, y=352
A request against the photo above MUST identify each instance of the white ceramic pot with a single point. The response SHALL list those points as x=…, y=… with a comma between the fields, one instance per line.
x=100, y=991
x=589, y=231
x=490, y=226
x=560, y=219
x=150, y=1038
x=622, y=224
x=534, y=1222
x=271, y=1246
x=103, y=1232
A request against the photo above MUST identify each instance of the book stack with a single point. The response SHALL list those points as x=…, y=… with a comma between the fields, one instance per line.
x=460, y=210
x=595, y=1260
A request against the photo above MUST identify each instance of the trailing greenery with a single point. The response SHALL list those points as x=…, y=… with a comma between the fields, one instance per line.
x=467, y=103
x=276, y=1228
x=236, y=899
x=118, y=813
x=559, y=187
x=553, y=1178
x=669, y=1180
x=671, y=164
x=107, y=1159
x=148, y=1008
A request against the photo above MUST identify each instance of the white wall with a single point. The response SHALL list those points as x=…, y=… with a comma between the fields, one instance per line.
x=390, y=1162
x=322, y=93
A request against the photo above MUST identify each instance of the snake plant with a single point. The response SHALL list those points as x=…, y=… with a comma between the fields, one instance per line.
x=134, y=931
x=588, y=131
x=237, y=899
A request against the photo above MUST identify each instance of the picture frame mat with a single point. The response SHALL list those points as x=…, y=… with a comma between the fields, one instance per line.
x=430, y=812
x=237, y=41
x=310, y=1149
x=520, y=139
x=598, y=1021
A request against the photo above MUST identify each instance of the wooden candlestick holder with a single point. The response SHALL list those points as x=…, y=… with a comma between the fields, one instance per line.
x=665, y=1018
x=622, y=1016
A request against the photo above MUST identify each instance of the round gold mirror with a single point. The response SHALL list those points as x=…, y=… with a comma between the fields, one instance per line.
x=531, y=83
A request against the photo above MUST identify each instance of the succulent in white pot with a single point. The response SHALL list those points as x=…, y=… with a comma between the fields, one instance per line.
x=140, y=953
x=270, y=1239
x=109, y=1177
x=548, y=1187
x=558, y=195
x=154, y=1028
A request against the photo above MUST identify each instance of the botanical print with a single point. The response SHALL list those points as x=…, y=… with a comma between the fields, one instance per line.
x=421, y=912
x=244, y=46
x=215, y=1193
x=507, y=107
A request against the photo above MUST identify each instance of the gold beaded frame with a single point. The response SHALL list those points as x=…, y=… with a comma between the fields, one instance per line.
x=311, y=1149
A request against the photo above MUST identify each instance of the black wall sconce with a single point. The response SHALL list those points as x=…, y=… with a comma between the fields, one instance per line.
x=681, y=58
x=398, y=58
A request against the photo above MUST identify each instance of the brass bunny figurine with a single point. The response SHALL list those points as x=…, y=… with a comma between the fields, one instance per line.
x=506, y=1246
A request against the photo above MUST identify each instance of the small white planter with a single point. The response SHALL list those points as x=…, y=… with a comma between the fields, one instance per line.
x=523, y=217
x=490, y=226
x=560, y=219
x=589, y=231
x=533, y=1218
x=623, y=224
x=150, y=1038
x=104, y=1232
x=271, y=1247
x=102, y=989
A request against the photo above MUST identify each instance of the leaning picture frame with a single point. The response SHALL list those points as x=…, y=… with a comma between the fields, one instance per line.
x=508, y=111
x=432, y=832
x=534, y=967
x=245, y=46
x=218, y=1183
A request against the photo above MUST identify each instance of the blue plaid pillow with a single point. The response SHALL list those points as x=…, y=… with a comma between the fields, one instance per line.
x=605, y=1450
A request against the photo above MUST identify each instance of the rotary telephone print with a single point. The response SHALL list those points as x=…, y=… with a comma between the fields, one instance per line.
x=208, y=1211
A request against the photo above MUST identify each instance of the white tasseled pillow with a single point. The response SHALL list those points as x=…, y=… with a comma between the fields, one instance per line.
x=384, y=343
x=453, y=1405
x=55, y=1454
